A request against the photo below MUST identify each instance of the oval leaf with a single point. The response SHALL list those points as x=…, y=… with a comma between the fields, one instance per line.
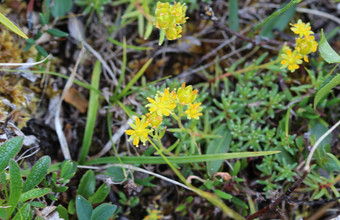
x=323, y=91
x=37, y=174
x=87, y=184
x=84, y=208
x=34, y=193
x=218, y=145
x=8, y=150
x=326, y=51
x=15, y=187
x=103, y=212
x=61, y=7
x=100, y=195
x=57, y=32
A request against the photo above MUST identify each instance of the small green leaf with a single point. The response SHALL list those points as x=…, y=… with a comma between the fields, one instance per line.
x=71, y=207
x=61, y=7
x=84, y=208
x=56, y=32
x=23, y=213
x=103, y=212
x=148, y=31
x=68, y=169
x=42, y=19
x=62, y=212
x=100, y=195
x=15, y=187
x=218, y=145
x=8, y=24
x=37, y=174
x=333, y=81
x=8, y=150
x=326, y=51
x=222, y=194
x=34, y=193
x=87, y=184
x=41, y=50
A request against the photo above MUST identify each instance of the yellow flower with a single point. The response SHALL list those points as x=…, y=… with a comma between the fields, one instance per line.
x=173, y=33
x=169, y=18
x=164, y=104
x=164, y=17
x=193, y=111
x=178, y=11
x=153, y=215
x=301, y=28
x=305, y=46
x=154, y=119
x=139, y=132
x=291, y=59
x=186, y=95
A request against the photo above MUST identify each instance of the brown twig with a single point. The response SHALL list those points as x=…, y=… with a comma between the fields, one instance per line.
x=273, y=205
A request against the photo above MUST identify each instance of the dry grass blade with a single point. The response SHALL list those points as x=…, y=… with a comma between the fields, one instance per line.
x=58, y=126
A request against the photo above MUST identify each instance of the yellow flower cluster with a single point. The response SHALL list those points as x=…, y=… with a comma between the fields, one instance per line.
x=169, y=18
x=164, y=104
x=304, y=45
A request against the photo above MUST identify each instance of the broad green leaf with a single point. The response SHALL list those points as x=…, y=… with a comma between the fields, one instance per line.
x=15, y=187
x=178, y=159
x=23, y=213
x=87, y=184
x=56, y=32
x=100, y=195
x=84, y=208
x=8, y=150
x=62, y=212
x=91, y=112
x=333, y=81
x=326, y=51
x=37, y=174
x=117, y=173
x=278, y=23
x=8, y=24
x=61, y=7
x=34, y=193
x=216, y=146
x=103, y=212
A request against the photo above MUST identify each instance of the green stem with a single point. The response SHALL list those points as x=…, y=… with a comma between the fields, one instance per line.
x=210, y=197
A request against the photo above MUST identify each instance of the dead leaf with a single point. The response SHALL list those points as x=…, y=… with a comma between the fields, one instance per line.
x=74, y=98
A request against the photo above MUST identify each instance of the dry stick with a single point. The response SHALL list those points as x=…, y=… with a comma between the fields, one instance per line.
x=58, y=127
x=306, y=170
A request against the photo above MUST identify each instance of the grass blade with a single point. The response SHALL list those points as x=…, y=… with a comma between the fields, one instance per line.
x=178, y=159
x=91, y=113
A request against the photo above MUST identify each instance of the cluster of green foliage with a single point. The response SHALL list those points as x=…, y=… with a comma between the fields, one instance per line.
x=252, y=114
